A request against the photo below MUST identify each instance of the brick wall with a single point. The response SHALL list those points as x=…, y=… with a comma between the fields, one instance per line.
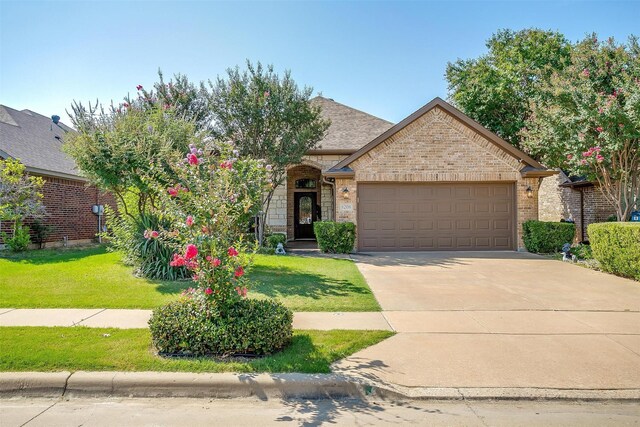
x=68, y=205
x=439, y=148
x=556, y=203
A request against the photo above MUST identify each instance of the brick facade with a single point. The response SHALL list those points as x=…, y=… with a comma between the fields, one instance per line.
x=438, y=148
x=558, y=202
x=68, y=204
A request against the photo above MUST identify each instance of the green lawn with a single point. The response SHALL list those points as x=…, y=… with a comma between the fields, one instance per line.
x=95, y=278
x=81, y=348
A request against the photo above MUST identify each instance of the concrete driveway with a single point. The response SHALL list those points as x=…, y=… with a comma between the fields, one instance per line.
x=500, y=320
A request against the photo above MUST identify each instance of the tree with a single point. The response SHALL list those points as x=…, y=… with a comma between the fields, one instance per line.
x=587, y=119
x=267, y=117
x=495, y=88
x=20, y=194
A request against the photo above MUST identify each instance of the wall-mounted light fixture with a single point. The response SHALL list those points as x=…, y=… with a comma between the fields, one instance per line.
x=529, y=192
x=345, y=192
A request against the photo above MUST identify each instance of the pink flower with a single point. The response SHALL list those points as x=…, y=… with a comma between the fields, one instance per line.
x=208, y=291
x=569, y=156
x=585, y=72
x=205, y=229
x=189, y=221
x=583, y=162
x=226, y=165
x=126, y=105
x=232, y=251
x=213, y=261
x=195, y=277
x=178, y=261
x=173, y=192
x=191, y=252
x=192, y=159
x=266, y=94
x=621, y=125
x=139, y=87
x=586, y=153
x=599, y=129
x=599, y=158
x=241, y=291
x=239, y=272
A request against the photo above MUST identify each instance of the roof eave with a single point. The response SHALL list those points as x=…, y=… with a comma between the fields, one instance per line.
x=328, y=151
x=339, y=174
x=55, y=174
x=538, y=173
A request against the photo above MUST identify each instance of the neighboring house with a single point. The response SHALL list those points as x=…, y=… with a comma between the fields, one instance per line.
x=435, y=181
x=36, y=141
x=576, y=199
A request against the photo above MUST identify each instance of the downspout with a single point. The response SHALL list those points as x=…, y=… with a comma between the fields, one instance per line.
x=333, y=194
x=582, y=215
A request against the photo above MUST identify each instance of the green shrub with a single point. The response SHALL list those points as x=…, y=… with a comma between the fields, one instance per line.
x=582, y=251
x=40, y=232
x=274, y=239
x=335, y=237
x=192, y=326
x=149, y=257
x=547, y=237
x=20, y=240
x=616, y=245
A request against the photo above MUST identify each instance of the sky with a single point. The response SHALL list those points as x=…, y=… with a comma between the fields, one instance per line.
x=387, y=58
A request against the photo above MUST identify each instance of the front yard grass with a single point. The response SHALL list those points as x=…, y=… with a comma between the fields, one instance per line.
x=106, y=349
x=94, y=278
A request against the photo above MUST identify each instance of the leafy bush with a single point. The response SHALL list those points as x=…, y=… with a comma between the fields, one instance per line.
x=335, y=237
x=40, y=232
x=274, y=239
x=616, y=245
x=149, y=257
x=582, y=252
x=20, y=240
x=195, y=326
x=547, y=237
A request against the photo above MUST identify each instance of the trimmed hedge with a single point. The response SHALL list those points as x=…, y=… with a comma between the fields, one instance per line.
x=547, y=237
x=196, y=328
x=335, y=237
x=616, y=245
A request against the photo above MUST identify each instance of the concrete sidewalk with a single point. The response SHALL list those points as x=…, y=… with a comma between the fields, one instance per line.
x=129, y=319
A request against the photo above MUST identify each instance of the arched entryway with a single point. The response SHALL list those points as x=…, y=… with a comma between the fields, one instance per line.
x=303, y=201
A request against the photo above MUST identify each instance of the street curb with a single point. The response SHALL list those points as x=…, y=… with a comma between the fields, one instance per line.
x=176, y=384
x=269, y=386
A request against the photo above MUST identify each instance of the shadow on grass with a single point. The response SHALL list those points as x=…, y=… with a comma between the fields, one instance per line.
x=54, y=255
x=283, y=281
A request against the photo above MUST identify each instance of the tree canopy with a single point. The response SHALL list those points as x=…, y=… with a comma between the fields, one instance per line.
x=586, y=119
x=495, y=89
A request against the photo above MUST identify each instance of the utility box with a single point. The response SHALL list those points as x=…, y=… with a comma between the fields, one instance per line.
x=635, y=216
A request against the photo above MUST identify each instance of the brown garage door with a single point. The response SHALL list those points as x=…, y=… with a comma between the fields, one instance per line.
x=432, y=217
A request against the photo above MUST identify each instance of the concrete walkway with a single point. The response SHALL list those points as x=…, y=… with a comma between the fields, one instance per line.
x=128, y=319
x=502, y=319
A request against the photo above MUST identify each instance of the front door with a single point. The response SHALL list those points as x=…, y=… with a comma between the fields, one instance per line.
x=304, y=216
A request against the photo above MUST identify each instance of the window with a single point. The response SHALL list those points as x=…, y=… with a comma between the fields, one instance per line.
x=305, y=183
x=305, y=212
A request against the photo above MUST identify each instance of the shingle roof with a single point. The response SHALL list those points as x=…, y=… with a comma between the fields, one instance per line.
x=350, y=129
x=36, y=141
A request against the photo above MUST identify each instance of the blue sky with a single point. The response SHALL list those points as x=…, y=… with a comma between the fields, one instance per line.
x=386, y=58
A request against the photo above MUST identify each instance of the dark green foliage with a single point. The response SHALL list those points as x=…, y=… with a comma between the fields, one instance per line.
x=190, y=326
x=547, y=237
x=616, y=245
x=582, y=252
x=496, y=88
x=274, y=239
x=20, y=240
x=40, y=232
x=335, y=237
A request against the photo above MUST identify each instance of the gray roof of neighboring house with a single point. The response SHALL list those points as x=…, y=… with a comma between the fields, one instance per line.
x=350, y=129
x=36, y=141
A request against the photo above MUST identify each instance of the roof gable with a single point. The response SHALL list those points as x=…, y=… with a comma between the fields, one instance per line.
x=455, y=113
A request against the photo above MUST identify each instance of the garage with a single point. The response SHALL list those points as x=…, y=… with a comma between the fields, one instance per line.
x=436, y=216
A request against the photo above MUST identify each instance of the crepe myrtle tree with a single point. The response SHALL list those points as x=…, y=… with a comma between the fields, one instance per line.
x=588, y=119
x=268, y=117
x=20, y=194
x=208, y=205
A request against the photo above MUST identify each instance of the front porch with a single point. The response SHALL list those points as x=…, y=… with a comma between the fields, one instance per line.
x=304, y=198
